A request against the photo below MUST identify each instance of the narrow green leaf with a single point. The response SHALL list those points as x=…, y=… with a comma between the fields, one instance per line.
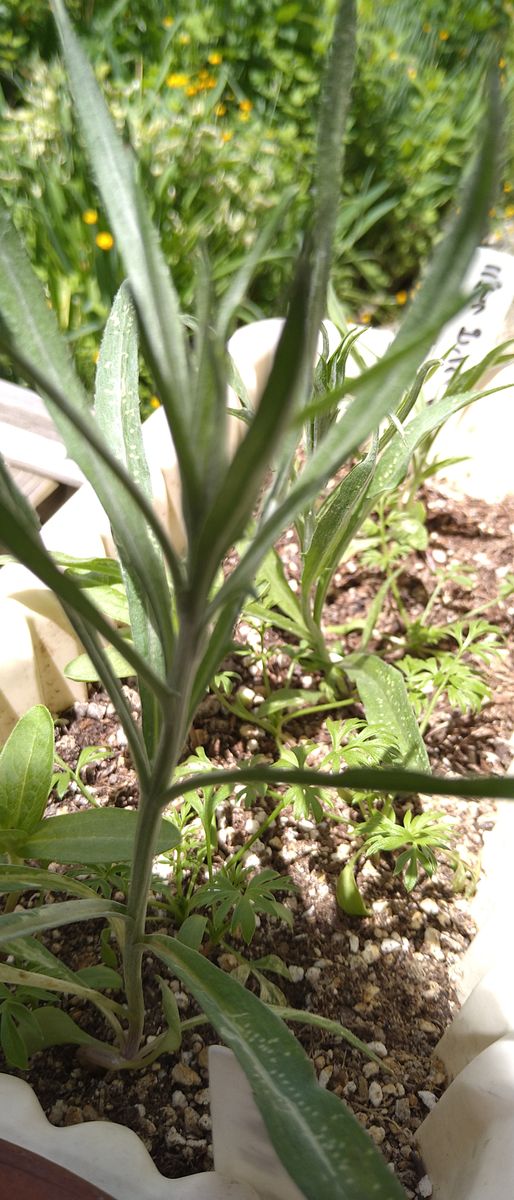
x=52, y=916
x=359, y=779
x=333, y=108
x=117, y=412
x=382, y=690
x=394, y=462
x=322, y=1146
x=100, y=835
x=335, y=524
x=26, y=765
x=30, y=334
x=16, y=499
x=51, y=983
x=32, y=955
x=209, y=398
x=334, y=1027
x=217, y=648
x=288, y=379
x=375, y=608
x=153, y=291
x=33, y=879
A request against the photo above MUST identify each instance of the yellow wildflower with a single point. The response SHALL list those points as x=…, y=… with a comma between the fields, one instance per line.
x=192, y=90
x=167, y=22
x=443, y=35
x=227, y=136
x=215, y=58
x=509, y=211
x=104, y=241
x=393, y=56
x=507, y=187
x=210, y=82
x=90, y=216
x=220, y=110
x=184, y=39
x=244, y=116
x=401, y=297
x=502, y=63
x=177, y=80
x=492, y=212
x=155, y=402
x=245, y=106
x=412, y=73
x=366, y=317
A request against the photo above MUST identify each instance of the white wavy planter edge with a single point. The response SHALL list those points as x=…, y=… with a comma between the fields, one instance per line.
x=467, y=1141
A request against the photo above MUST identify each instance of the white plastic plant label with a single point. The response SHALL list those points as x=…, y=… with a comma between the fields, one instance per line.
x=477, y=328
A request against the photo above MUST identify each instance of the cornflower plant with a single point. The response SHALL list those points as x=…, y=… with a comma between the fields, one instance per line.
x=181, y=618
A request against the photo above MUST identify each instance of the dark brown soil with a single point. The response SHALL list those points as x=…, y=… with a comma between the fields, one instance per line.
x=390, y=977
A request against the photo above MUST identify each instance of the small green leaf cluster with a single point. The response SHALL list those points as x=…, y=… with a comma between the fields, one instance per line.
x=453, y=673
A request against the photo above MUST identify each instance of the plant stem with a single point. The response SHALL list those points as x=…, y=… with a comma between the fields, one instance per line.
x=153, y=801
